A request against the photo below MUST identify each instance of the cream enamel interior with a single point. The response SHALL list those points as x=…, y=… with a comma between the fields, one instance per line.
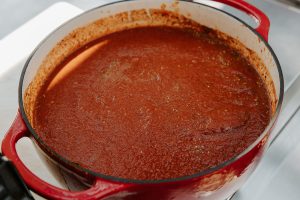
x=88, y=31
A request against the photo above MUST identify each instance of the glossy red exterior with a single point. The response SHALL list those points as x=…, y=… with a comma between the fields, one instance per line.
x=261, y=19
x=194, y=188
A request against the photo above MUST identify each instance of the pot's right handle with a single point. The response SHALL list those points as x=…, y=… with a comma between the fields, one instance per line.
x=98, y=190
x=261, y=19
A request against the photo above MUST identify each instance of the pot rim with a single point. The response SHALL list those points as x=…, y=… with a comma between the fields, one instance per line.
x=60, y=159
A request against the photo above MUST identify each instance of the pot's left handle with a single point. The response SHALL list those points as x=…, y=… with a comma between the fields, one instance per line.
x=18, y=130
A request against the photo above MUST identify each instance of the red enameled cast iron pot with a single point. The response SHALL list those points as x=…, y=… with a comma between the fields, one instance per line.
x=219, y=182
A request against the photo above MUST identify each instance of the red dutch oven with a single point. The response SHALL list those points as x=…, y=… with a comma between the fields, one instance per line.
x=218, y=182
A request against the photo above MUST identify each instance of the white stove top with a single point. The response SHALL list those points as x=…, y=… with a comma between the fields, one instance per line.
x=278, y=175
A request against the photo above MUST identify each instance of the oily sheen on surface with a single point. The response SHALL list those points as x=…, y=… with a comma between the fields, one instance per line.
x=152, y=103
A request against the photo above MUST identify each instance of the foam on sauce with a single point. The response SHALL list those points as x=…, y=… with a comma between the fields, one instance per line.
x=152, y=103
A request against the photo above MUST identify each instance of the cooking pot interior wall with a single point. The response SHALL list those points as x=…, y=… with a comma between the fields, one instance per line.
x=65, y=40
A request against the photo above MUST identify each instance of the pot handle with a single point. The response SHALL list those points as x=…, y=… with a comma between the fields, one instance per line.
x=98, y=190
x=261, y=19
